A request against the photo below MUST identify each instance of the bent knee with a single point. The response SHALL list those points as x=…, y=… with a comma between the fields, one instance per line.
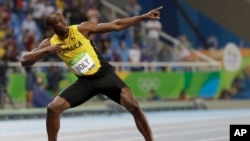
x=53, y=108
x=57, y=106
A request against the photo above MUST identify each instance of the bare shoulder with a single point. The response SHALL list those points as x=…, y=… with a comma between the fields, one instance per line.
x=86, y=27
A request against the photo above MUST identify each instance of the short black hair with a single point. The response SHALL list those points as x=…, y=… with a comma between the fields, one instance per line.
x=48, y=20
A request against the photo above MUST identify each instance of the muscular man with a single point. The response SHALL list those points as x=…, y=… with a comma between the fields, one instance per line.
x=95, y=75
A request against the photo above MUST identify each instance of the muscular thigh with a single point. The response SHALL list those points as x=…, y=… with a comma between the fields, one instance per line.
x=78, y=92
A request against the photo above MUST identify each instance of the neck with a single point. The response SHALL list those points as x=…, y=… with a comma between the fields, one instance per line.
x=64, y=36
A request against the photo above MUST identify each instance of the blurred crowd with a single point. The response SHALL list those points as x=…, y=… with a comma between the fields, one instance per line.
x=22, y=27
x=22, y=24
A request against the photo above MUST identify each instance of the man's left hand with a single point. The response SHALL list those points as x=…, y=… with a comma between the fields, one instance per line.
x=153, y=14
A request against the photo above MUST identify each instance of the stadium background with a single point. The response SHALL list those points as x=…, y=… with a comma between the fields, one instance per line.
x=178, y=18
x=216, y=88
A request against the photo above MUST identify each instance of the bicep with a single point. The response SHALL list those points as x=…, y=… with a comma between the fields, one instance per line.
x=93, y=28
x=105, y=27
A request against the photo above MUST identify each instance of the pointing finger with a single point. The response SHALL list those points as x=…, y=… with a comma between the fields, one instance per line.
x=158, y=8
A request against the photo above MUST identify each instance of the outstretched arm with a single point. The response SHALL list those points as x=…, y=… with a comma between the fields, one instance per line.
x=38, y=53
x=119, y=24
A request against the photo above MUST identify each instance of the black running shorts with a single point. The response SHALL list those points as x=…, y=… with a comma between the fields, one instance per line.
x=85, y=88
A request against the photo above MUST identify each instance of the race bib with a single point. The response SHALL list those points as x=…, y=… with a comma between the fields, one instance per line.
x=82, y=63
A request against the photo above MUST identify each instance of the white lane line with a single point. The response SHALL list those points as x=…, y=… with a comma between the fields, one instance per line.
x=112, y=132
x=192, y=132
x=174, y=134
x=129, y=131
x=214, y=139
x=161, y=126
x=155, y=128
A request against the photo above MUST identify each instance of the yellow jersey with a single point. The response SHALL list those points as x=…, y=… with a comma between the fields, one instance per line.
x=79, y=54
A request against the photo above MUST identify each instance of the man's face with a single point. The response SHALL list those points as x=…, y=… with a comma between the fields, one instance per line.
x=59, y=25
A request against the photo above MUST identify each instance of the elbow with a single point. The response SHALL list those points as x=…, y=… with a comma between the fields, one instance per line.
x=26, y=63
x=116, y=25
x=117, y=28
